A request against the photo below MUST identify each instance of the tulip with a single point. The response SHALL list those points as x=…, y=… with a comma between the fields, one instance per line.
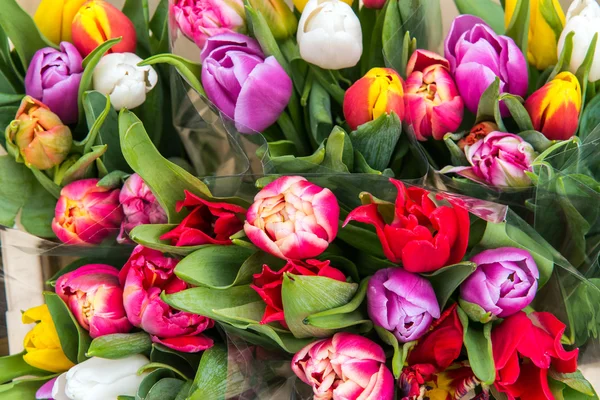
x=477, y=133
x=45, y=391
x=117, y=75
x=199, y=20
x=301, y=4
x=86, y=213
x=583, y=18
x=101, y=379
x=329, y=34
x=542, y=39
x=53, y=78
x=98, y=21
x=144, y=277
x=401, y=302
x=554, y=108
x=500, y=159
x=37, y=136
x=379, y=92
x=376, y=4
x=245, y=86
x=42, y=345
x=421, y=383
x=478, y=56
x=345, y=366
x=207, y=223
x=292, y=218
x=414, y=226
x=139, y=207
x=280, y=18
x=54, y=17
x=268, y=284
x=433, y=105
x=94, y=296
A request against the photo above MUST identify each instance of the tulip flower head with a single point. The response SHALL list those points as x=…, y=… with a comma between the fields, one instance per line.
x=377, y=93
x=86, y=213
x=477, y=133
x=53, y=18
x=301, y=4
x=433, y=105
x=117, y=75
x=329, y=35
x=292, y=218
x=37, y=137
x=45, y=391
x=244, y=85
x=346, y=366
x=554, y=108
x=279, y=16
x=53, y=78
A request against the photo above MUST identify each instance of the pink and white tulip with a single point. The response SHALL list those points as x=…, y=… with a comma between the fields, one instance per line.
x=95, y=298
x=345, y=367
x=292, y=218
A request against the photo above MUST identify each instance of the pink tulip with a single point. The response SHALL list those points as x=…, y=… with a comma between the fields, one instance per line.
x=95, y=298
x=433, y=105
x=292, y=218
x=86, y=213
x=144, y=277
x=345, y=367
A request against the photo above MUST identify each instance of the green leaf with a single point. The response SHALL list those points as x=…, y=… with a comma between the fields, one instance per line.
x=266, y=336
x=183, y=362
x=478, y=342
x=22, y=388
x=211, y=381
x=392, y=37
x=518, y=111
x=362, y=238
x=564, y=59
x=46, y=182
x=138, y=13
x=85, y=166
x=190, y=71
x=14, y=366
x=388, y=338
x=38, y=212
x=537, y=139
x=590, y=119
x=339, y=155
x=518, y=28
x=446, y=280
x=489, y=107
x=120, y=345
x=150, y=380
x=149, y=236
x=15, y=189
x=184, y=391
x=321, y=122
x=262, y=33
x=160, y=28
x=7, y=99
x=376, y=140
x=575, y=381
x=583, y=71
x=114, y=179
x=488, y=10
x=165, y=389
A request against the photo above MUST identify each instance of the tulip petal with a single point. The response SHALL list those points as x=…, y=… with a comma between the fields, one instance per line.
x=185, y=344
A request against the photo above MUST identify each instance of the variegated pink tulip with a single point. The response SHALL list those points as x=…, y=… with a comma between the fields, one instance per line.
x=345, y=367
x=292, y=218
x=95, y=298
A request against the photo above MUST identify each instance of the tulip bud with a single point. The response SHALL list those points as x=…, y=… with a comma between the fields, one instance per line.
x=37, y=136
x=54, y=17
x=280, y=18
x=86, y=213
x=330, y=35
x=477, y=133
x=301, y=4
x=98, y=21
x=375, y=4
x=554, y=108
x=379, y=92
x=45, y=391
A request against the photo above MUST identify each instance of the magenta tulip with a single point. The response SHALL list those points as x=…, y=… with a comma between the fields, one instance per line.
x=292, y=218
x=247, y=87
x=45, y=391
x=95, y=298
x=345, y=367
x=144, y=277
x=478, y=56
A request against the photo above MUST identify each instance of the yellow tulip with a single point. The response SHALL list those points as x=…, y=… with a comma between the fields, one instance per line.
x=300, y=4
x=42, y=343
x=54, y=17
x=543, y=33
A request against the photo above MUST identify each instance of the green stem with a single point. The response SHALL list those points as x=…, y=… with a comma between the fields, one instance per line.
x=291, y=134
x=307, y=89
x=333, y=88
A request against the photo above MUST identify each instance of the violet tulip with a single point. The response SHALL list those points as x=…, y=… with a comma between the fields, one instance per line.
x=504, y=283
x=144, y=277
x=140, y=207
x=345, y=367
x=433, y=105
x=86, y=213
x=53, y=78
x=478, y=56
x=45, y=391
x=402, y=302
x=247, y=87
x=95, y=298
x=292, y=218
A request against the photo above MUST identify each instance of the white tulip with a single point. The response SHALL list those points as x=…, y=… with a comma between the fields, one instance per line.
x=583, y=18
x=118, y=75
x=100, y=379
x=329, y=34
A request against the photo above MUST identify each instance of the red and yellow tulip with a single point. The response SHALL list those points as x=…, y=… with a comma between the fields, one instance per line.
x=554, y=108
x=98, y=21
x=54, y=17
x=380, y=91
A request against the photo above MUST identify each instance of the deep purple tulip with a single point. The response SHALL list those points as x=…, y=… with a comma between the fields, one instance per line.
x=53, y=78
x=247, y=87
x=402, y=302
x=504, y=283
x=478, y=55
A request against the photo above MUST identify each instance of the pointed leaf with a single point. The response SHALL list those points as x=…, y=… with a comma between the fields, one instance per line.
x=478, y=341
x=120, y=345
x=149, y=236
x=446, y=280
x=376, y=140
x=84, y=167
x=14, y=366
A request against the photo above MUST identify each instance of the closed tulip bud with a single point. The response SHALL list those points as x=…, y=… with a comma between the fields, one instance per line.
x=477, y=133
x=379, y=92
x=280, y=18
x=37, y=136
x=301, y=4
x=329, y=35
x=554, y=108
x=98, y=21
x=54, y=17
x=376, y=4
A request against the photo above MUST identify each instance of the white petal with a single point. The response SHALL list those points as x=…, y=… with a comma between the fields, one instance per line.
x=58, y=390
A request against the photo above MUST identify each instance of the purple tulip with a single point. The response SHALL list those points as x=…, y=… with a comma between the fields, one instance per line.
x=45, y=391
x=53, y=78
x=402, y=302
x=251, y=90
x=504, y=283
x=478, y=55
